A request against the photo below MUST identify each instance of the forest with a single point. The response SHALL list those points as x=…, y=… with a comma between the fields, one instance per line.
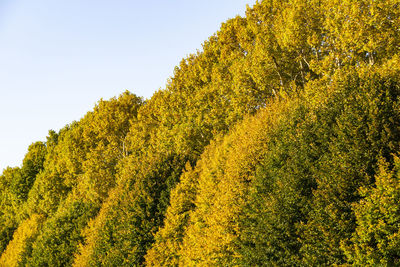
x=275, y=144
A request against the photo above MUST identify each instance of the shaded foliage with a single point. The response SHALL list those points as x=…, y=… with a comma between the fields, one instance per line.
x=272, y=145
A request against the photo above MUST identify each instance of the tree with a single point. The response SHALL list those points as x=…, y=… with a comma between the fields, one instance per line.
x=376, y=238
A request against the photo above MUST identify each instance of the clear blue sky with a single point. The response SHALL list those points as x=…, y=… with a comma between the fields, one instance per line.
x=59, y=57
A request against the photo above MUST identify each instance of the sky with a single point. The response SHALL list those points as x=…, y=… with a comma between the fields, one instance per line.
x=58, y=58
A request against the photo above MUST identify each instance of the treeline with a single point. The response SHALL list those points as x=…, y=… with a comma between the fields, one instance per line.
x=277, y=144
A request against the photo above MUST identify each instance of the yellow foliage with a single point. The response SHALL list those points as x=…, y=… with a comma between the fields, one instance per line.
x=26, y=231
x=85, y=251
x=222, y=190
x=167, y=241
x=201, y=222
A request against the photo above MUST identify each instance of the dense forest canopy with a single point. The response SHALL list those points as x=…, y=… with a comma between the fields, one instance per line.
x=276, y=144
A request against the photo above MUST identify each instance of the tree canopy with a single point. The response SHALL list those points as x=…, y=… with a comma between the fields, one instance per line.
x=277, y=143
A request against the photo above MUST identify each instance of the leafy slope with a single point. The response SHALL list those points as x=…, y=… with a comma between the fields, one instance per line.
x=183, y=179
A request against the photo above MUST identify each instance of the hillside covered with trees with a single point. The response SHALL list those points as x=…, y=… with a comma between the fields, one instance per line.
x=276, y=144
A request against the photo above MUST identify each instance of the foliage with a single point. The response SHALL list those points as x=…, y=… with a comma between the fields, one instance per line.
x=376, y=238
x=272, y=145
x=14, y=253
x=59, y=236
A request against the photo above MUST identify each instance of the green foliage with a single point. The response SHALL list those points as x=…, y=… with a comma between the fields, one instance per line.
x=273, y=145
x=376, y=238
x=165, y=250
x=8, y=206
x=31, y=167
x=126, y=240
x=15, y=183
x=86, y=155
x=365, y=127
x=225, y=173
x=280, y=190
x=87, y=179
x=60, y=235
x=320, y=155
x=14, y=255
